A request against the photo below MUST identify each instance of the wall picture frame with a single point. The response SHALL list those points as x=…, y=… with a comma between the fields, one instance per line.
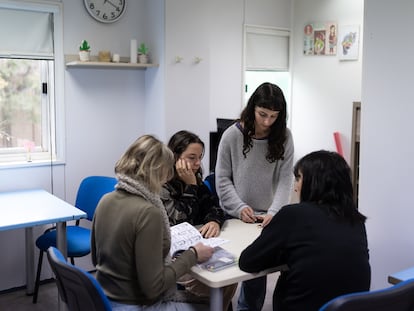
x=348, y=42
x=320, y=38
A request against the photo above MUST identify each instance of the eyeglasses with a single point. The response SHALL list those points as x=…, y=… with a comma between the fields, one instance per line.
x=193, y=159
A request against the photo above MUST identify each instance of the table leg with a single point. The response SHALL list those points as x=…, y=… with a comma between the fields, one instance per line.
x=30, y=271
x=61, y=244
x=61, y=238
x=216, y=299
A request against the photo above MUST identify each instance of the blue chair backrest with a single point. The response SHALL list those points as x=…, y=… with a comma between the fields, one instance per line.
x=210, y=182
x=91, y=190
x=399, y=297
x=77, y=288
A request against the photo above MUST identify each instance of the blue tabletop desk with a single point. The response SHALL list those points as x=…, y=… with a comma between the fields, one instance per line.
x=401, y=276
x=29, y=208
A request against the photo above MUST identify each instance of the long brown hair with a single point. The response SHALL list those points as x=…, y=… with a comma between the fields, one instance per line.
x=268, y=96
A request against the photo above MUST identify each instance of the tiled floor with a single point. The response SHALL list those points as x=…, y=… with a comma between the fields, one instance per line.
x=271, y=282
x=17, y=300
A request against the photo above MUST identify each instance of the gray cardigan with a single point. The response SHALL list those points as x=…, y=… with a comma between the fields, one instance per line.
x=252, y=181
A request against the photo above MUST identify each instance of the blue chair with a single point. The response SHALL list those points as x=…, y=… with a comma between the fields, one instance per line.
x=399, y=297
x=210, y=182
x=90, y=191
x=77, y=288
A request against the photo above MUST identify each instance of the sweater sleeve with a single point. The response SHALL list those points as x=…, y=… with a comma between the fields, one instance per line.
x=210, y=209
x=285, y=180
x=154, y=276
x=190, y=203
x=226, y=192
x=181, y=205
x=268, y=249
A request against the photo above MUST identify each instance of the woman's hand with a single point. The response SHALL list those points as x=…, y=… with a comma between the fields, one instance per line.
x=210, y=230
x=185, y=172
x=247, y=215
x=264, y=219
x=204, y=252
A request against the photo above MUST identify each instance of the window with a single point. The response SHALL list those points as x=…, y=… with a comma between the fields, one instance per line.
x=267, y=59
x=31, y=99
x=266, y=48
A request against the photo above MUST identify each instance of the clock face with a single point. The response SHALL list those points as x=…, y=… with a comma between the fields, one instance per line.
x=105, y=11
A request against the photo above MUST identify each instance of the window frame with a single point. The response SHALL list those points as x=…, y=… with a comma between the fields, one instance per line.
x=55, y=113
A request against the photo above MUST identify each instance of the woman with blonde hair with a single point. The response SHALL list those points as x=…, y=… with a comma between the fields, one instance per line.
x=131, y=235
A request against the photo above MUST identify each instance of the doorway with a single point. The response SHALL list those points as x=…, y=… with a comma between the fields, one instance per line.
x=254, y=78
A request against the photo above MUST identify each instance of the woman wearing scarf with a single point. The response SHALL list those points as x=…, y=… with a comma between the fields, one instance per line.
x=131, y=235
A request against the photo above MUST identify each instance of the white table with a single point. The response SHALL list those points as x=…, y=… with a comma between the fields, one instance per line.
x=240, y=235
x=29, y=208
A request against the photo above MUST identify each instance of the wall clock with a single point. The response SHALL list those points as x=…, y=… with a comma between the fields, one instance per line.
x=105, y=11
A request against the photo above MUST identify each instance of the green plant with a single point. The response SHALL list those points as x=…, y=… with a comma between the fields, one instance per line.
x=143, y=49
x=84, y=46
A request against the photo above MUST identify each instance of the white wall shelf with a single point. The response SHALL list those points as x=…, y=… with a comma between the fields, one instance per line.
x=72, y=61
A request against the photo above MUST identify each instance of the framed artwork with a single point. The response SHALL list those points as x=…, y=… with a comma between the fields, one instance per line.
x=348, y=42
x=320, y=38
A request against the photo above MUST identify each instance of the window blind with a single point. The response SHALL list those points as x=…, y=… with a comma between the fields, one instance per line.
x=36, y=29
x=266, y=48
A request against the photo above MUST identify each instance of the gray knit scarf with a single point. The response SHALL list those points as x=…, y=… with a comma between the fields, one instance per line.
x=138, y=188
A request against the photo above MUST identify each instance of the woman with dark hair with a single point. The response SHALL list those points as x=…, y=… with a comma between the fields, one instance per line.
x=185, y=196
x=322, y=239
x=254, y=171
x=187, y=199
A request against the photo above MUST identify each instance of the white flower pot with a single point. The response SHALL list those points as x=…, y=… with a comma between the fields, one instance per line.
x=143, y=58
x=84, y=56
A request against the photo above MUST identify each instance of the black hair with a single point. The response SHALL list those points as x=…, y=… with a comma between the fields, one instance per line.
x=269, y=96
x=326, y=180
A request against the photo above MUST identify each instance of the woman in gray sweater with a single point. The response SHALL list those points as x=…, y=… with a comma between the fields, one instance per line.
x=254, y=171
x=131, y=235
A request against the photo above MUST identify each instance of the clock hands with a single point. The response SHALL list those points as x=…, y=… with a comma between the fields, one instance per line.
x=105, y=1
x=105, y=11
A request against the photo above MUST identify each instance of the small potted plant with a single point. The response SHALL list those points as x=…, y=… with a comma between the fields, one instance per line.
x=143, y=53
x=84, y=51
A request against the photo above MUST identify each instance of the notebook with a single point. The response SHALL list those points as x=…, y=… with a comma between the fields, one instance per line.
x=221, y=259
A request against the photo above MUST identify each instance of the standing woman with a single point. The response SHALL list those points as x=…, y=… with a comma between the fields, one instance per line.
x=322, y=239
x=254, y=171
x=131, y=235
x=187, y=199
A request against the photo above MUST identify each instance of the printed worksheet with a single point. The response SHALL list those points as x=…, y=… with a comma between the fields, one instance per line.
x=185, y=235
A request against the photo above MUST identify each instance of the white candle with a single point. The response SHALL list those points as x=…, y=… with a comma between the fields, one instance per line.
x=115, y=58
x=133, y=52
